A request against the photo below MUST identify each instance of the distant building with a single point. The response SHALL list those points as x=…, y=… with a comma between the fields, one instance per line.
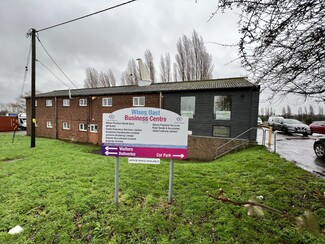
x=222, y=108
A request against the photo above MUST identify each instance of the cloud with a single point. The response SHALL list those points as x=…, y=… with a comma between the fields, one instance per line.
x=107, y=40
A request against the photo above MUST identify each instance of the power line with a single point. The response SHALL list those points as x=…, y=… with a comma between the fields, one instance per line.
x=85, y=16
x=62, y=82
x=37, y=60
x=56, y=63
x=26, y=68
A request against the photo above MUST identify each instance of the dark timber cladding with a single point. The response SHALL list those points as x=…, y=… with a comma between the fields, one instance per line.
x=244, y=108
x=220, y=107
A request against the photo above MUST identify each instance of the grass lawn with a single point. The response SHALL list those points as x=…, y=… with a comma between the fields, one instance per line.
x=60, y=192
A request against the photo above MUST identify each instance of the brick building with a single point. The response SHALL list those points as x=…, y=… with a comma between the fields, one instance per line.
x=216, y=108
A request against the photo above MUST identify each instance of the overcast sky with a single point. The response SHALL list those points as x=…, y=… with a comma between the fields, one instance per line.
x=108, y=40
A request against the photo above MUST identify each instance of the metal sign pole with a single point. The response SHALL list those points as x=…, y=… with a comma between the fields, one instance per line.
x=274, y=142
x=116, y=180
x=171, y=174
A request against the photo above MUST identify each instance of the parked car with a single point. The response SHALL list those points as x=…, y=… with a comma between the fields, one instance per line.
x=289, y=126
x=317, y=127
x=273, y=119
x=319, y=147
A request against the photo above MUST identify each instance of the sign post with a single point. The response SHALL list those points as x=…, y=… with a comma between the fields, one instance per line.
x=116, y=180
x=144, y=132
x=171, y=176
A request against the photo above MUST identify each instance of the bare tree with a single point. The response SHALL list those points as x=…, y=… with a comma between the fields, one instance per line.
x=92, y=78
x=192, y=59
x=150, y=65
x=289, y=111
x=311, y=110
x=282, y=44
x=284, y=113
x=175, y=72
x=202, y=60
x=262, y=111
x=165, y=68
x=107, y=79
x=181, y=60
x=131, y=75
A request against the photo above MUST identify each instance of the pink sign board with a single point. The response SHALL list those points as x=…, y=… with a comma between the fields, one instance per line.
x=144, y=132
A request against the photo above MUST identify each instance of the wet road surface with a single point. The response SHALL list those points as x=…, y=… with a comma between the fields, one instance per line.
x=297, y=149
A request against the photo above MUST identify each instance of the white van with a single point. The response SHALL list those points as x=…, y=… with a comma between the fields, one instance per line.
x=22, y=122
x=275, y=119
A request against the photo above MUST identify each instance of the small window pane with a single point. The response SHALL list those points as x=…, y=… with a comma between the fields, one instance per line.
x=66, y=126
x=48, y=103
x=138, y=101
x=188, y=107
x=221, y=131
x=107, y=102
x=83, y=102
x=222, y=107
x=66, y=102
x=48, y=124
x=93, y=128
x=82, y=127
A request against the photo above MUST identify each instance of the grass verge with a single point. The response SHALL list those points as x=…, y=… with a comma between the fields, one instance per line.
x=60, y=192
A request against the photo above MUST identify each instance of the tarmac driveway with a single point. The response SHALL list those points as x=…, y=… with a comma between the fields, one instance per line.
x=297, y=149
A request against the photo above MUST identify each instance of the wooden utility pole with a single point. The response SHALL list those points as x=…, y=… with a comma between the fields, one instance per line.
x=33, y=82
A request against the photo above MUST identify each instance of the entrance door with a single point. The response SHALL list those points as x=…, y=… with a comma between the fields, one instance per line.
x=93, y=135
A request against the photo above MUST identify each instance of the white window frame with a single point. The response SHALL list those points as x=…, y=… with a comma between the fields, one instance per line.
x=83, y=102
x=187, y=108
x=48, y=103
x=82, y=127
x=139, y=101
x=49, y=124
x=221, y=111
x=66, y=126
x=107, y=102
x=93, y=128
x=66, y=102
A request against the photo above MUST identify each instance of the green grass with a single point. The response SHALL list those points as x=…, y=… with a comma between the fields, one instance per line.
x=60, y=192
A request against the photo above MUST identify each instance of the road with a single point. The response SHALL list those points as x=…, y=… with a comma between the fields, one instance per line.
x=297, y=149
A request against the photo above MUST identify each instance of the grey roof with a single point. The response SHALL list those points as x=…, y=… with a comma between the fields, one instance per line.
x=216, y=84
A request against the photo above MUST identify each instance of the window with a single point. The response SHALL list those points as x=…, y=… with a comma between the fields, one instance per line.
x=93, y=128
x=188, y=107
x=66, y=126
x=35, y=103
x=138, y=101
x=221, y=131
x=222, y=107
x=66, y=102
x=83, y=102
x=82, y=127
x=48, y=103
x=107, y=102
x=48, y=124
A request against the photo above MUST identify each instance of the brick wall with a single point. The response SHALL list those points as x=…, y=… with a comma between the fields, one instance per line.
x=204, y=148
x=75, y=114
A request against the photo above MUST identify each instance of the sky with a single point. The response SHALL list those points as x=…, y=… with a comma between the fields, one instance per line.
x=109, y=40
